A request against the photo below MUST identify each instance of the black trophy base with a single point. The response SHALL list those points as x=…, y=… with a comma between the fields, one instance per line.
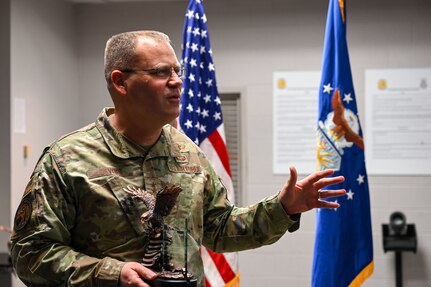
x=173, y=282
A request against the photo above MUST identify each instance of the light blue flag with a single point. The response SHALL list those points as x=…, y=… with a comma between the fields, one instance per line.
x=343, y=251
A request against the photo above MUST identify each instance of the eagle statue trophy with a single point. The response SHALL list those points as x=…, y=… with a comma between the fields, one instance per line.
x=159, y=206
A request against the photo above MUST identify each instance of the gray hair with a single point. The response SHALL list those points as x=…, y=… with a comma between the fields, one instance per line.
x=120, y=49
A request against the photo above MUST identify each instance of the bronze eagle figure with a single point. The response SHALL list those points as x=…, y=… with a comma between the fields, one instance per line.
x=158, y=206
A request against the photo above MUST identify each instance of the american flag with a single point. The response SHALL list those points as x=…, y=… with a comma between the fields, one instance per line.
x=201, y=120
x=343, y=250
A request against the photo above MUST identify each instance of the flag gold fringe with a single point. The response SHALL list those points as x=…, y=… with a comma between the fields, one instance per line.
x=365, y=273
x=234, y=282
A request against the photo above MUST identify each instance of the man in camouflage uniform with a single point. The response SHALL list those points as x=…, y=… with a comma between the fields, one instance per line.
x=77, y=226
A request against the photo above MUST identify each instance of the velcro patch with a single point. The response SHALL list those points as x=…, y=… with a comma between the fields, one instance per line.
x=22, y=215
x=184, y=168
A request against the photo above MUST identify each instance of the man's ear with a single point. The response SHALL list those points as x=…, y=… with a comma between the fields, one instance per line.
x=118, y=81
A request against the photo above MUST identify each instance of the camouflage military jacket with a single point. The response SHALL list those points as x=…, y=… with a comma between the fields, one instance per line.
x=76, y=226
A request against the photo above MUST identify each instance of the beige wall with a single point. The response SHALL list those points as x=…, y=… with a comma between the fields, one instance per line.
x=250, y=40
x=44, y=75
x=5, y=122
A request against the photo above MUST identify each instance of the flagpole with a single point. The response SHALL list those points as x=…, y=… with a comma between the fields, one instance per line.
x=201, y=120
x=343, y=250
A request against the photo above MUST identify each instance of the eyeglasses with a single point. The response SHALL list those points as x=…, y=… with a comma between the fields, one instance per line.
x=162, y=72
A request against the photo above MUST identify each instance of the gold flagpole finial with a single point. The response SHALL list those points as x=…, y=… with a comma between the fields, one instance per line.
x=341, y=4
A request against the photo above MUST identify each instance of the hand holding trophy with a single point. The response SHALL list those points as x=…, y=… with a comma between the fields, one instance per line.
x=162, y=253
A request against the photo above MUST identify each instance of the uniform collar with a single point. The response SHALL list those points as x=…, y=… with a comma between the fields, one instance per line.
x=122, y=147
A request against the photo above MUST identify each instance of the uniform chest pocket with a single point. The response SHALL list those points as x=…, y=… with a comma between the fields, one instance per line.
x=191, y=199
x=132, y=207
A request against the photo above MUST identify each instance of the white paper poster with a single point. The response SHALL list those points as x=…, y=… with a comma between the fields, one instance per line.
x=398, y=121
x=295, y=105
x=19, y=112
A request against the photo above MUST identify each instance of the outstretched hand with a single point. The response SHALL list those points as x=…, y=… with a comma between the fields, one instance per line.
x=306, y=194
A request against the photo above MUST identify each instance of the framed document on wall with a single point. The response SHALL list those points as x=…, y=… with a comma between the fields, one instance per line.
x=398, y=121
x=295, y=104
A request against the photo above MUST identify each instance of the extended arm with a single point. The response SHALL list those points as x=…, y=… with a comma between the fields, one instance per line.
x=229, y=228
